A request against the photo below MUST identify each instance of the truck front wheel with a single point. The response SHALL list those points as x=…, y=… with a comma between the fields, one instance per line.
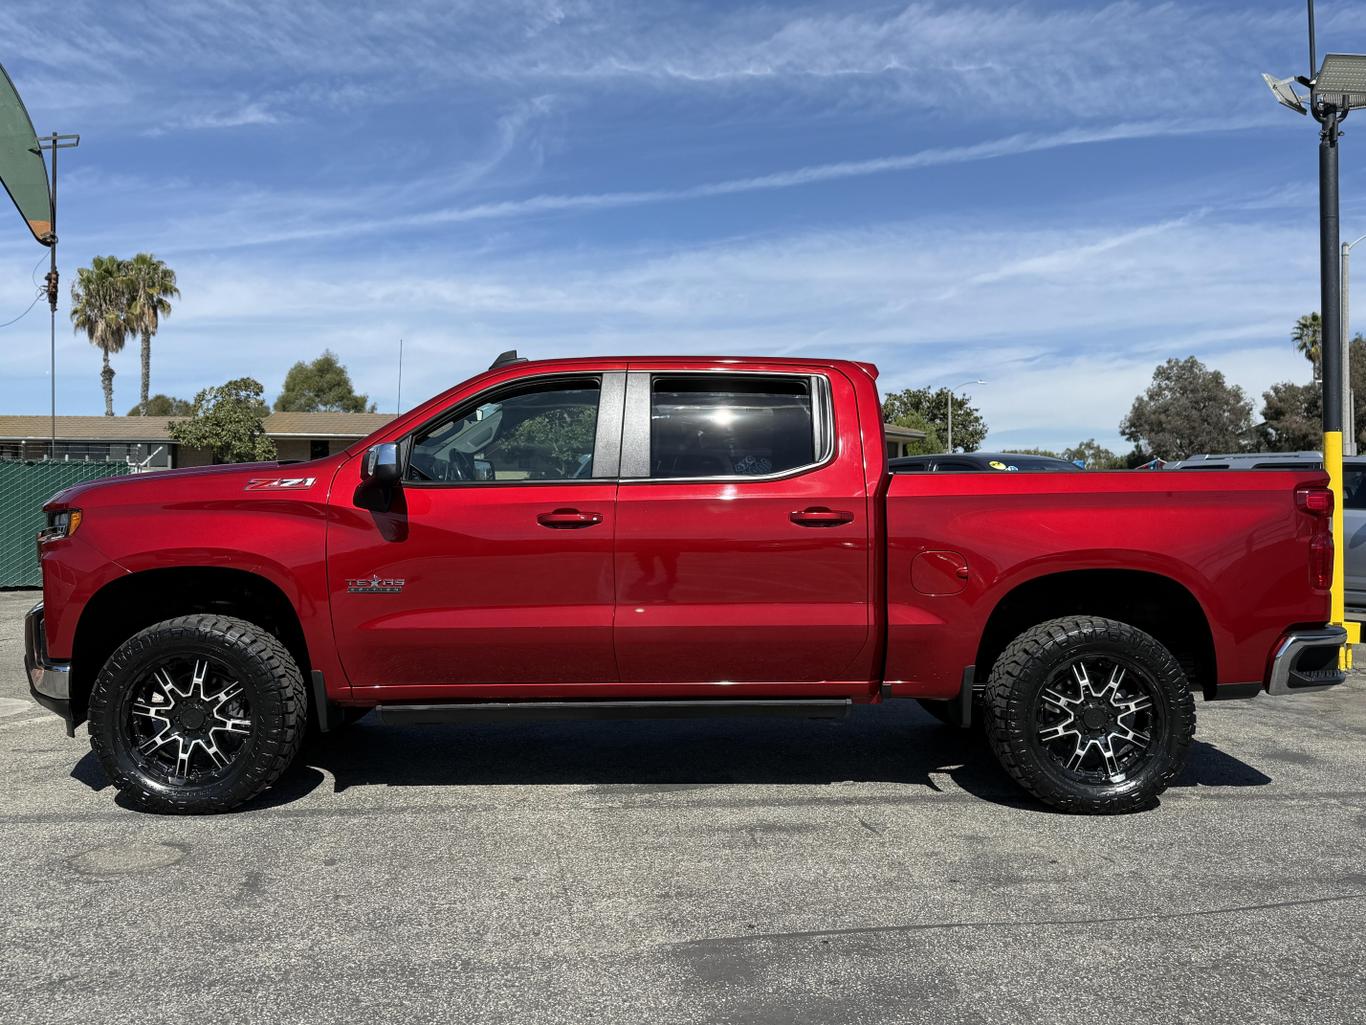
x=1090, y=715
x=197, y=714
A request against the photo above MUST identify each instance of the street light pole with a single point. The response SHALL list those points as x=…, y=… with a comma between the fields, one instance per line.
x=54, y=142
x=961, y=384
x=1349, y=440
x=1335, y=89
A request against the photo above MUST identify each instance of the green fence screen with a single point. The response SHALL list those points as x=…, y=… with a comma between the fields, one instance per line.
x=24, y=487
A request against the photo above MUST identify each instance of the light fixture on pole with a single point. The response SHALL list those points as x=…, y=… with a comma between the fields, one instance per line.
x=1335, y=90
x=962, y=384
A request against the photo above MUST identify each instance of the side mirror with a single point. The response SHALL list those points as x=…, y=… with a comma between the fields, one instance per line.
x=381, y=465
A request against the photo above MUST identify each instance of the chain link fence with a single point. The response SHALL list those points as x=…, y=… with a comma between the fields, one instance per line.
x=24, y=487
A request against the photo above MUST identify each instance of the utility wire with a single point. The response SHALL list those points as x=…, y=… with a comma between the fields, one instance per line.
x=42, y=291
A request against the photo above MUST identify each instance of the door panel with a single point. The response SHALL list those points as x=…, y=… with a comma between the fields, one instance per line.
x=741, y=580
x=503, y=579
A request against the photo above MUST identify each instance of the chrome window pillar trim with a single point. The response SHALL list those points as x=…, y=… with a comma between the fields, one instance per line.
x=607, y=439
x=51, y=679
x=635, y=431
x=635, y=441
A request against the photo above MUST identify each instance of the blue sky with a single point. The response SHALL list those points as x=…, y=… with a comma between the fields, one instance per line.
x=1053, y=197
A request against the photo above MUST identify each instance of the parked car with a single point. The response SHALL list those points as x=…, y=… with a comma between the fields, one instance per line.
x=991, y=462
x=616, y=538
x=1353, y=504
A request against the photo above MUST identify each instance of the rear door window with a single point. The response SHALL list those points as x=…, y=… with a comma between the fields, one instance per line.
x=731, y=426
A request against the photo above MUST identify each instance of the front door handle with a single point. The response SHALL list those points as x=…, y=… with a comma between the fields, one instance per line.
x=568, y=519
x=820, y=516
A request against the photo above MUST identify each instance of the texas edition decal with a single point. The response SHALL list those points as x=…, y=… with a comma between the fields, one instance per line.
x=374, y=585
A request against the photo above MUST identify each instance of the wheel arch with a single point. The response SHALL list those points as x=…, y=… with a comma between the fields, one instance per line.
x=133, y=602
x=1157, y=604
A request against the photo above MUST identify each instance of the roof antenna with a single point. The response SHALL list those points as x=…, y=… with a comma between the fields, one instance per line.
x=506, y=358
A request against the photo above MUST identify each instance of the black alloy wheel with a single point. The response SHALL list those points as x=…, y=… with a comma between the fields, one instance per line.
x=1090, y=715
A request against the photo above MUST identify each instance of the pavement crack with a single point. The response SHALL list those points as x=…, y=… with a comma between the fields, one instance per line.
x=1007, y=923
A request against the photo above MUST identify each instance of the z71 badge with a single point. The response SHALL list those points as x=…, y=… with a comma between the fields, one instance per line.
x=279, y=483
x=374, y=585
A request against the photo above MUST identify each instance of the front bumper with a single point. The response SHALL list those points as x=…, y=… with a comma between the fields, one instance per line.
x=1307, y=660
x=49, y=682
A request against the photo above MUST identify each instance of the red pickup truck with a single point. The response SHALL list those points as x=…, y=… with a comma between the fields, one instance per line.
x=669, y=537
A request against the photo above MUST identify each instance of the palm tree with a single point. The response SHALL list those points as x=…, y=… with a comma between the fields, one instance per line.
x=1308, y=338
x=150, y=285
x=99, y=307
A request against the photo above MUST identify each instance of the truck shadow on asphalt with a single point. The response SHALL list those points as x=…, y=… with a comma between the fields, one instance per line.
x=895, y=745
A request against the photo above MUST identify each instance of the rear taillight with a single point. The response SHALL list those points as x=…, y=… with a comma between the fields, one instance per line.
x=1317, y=501
x=1321, y=561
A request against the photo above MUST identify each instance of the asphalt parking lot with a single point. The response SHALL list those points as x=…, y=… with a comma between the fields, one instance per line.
x=875, y=870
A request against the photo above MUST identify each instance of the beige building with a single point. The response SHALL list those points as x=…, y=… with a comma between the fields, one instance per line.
x=145, y=441
x=899, y=439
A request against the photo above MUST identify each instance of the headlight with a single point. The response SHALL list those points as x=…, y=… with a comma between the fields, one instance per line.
x=59, y=525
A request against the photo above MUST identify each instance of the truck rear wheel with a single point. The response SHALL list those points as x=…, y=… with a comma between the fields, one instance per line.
x=1090, y=715
x=197, y=714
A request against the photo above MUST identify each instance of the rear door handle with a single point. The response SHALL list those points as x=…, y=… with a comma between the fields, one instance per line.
x=568, y=519
x=819, y=516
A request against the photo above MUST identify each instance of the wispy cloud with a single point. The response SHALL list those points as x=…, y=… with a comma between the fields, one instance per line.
x=243, y=222
x=238, y=116
x=1027, y=61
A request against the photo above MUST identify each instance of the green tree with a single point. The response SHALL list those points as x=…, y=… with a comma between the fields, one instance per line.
x=1031, y=452
x=562, y=435
x=1187, y=409
x=227, y=420
x=321, y=386
x=927, y=445
x=99, y=307
x=1307, y=335
x=1292, y=417
x=1095, y=457
x=151, y=285
x=1292, y=414
x=162, y=405
x=932, y=407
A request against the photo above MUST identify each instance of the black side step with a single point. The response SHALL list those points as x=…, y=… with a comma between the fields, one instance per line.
x=505, y=711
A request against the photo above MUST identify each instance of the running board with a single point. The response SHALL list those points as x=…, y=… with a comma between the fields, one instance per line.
x=509, y=711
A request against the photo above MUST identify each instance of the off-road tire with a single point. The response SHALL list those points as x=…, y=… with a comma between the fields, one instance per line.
x=1025, y=668
x=260, y=664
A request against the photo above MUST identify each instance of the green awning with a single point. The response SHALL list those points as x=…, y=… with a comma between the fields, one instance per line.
x=22, y=170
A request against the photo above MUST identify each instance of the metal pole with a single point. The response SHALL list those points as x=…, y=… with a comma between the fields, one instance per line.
x=52, y=308
x=1349, y=420
x=1331, y=295
x=950, y=421
x=54, y=142
x=1313, y=58
x=398, y=402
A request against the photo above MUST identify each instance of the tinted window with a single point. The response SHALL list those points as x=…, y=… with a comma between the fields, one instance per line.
x=1353, y=489
x=952, y=467
x=537, y=432
x=719, y=426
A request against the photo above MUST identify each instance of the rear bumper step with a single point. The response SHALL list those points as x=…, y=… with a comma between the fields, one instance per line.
x=1307, y=660
x=411, y=714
